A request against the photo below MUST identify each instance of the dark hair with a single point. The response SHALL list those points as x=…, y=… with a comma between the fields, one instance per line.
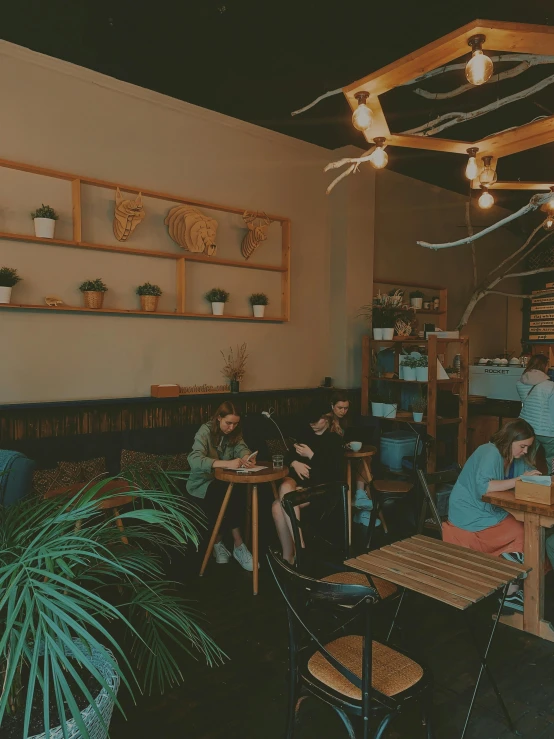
x=317, y=410
x=228, y=408
x=338, y=426
x=340, y=396
x=538, y=362
x=517, y=430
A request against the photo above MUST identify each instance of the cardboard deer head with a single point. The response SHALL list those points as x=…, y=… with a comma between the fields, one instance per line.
x=257, y=223
x=128, y=214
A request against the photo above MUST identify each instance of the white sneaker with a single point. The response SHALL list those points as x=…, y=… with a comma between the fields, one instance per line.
x=244, y=558
x=221, y=553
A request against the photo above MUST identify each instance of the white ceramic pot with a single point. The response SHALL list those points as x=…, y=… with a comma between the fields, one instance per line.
x=377, y=334
x=217, y=309
x=422, y=374
x=389, y=410
x=388, y=333
x=418, y=417
x=416, y=302
x=259, y=311
x=5, y=294
x=44, y=227
x=377, y=409
x=409, y=373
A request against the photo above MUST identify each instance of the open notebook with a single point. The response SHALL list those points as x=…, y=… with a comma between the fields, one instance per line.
x=245, y=470
x=537, y=479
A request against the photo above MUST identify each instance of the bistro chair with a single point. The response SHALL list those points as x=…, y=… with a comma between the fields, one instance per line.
x=429, y=503
x=358, y=677
x=323, y=526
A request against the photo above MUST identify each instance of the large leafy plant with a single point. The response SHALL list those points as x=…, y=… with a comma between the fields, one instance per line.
x=65, y=573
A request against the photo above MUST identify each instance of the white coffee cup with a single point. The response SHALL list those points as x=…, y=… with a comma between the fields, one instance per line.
x=355, y=446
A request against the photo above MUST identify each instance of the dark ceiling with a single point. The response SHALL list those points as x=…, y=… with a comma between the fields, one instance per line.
x=258, y=60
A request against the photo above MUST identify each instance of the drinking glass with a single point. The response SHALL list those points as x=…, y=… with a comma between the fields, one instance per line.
x=278, y=461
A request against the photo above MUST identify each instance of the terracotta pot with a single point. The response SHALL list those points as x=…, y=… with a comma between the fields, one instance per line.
x=149, y=303
x=93, y=299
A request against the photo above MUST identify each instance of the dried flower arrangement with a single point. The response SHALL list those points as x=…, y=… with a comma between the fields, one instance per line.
x=235, y=366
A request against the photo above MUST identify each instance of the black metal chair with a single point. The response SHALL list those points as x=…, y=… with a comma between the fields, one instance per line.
x=428, y=481
x=324, y=529
x=355, y=675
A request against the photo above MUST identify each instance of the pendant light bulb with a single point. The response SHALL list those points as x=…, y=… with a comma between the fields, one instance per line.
x=548, y=225
x=488, y=176
x=362, y=117
x=479, y=68
x=472, y=168
x=550, y=203
x=379, y=159
x=486, y=200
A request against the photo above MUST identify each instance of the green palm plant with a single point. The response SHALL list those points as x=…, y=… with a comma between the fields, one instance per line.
x=66, y=579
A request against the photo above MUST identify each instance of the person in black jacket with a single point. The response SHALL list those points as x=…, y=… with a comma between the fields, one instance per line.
x=316, y=457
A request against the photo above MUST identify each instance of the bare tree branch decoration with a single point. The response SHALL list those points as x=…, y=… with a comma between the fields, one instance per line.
x=354, y=166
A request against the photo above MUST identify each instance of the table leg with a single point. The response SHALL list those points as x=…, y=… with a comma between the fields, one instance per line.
x=215, y=531
x=533, y=589
x=255, y=538
x=247, y=522
x=349, y=499
x=119, y=524
x=369, y=478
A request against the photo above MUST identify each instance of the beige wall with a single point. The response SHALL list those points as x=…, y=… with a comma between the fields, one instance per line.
x=60, y=116
x=407, y=211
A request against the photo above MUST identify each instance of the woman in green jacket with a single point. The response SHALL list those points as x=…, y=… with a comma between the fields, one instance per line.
x=219, y=443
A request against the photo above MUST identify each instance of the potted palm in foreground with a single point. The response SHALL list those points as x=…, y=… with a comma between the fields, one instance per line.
x=66, y=577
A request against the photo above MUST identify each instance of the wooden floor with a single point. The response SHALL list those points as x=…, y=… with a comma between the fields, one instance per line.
x=245, y=699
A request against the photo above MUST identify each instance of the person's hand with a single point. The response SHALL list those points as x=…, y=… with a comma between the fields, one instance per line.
x=531, y=472
x=304, y=450
x=301, y=469
x=234, y=464
x=248, y=462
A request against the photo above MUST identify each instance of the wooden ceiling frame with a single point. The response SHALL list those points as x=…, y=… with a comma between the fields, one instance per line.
x=500, y=36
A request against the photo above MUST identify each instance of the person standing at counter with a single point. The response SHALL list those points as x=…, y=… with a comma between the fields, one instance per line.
x=478, y=525
x=219, y=443
x=537, y=396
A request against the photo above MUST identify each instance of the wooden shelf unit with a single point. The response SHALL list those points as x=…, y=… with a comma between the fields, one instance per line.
x=430, y=421
x=180, y=258
x=441, y=292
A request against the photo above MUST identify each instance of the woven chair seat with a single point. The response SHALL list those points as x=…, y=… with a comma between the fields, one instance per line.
x=383, y=587
x=392, y=672
x=392, y=486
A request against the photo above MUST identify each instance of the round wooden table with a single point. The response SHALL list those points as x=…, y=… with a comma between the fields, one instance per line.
x=252, y=479
x=360, y=459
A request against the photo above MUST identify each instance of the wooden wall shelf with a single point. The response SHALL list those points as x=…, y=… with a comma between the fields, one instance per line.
x=180, y=258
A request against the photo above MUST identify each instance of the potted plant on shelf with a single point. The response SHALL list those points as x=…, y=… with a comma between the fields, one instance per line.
x=64, y=584
x=409, y=365
x=422, y=369
x=258, y=301
x=217, y=297
x=235, y=366
x=416, y=299
x=45, y=219
x=93, y=293
x=377, y=404
x=418, y=409
x=149, y=297
x=452, y=373
x=383, y=313
x=8, y=279
x=389, y=405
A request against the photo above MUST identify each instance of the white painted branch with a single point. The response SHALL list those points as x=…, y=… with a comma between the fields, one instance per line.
x=317, y=100
x=529, y=272
x=507, y=295
x=470, y=232
x=451, y=119
x=336, y=181
x=354, y=165
x=535, y=202
x=518, y=252
x=531, y=59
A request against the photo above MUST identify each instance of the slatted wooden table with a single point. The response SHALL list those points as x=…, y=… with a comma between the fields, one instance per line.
x=448, y=573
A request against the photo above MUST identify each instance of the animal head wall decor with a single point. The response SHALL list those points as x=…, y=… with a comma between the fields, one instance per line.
x=192, y=229
x=257, y=223
x=128, y=214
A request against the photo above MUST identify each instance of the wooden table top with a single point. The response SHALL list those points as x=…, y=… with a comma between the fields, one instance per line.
x=446, y=572
x=366, y=451
x=507, y=499
x=253, y=478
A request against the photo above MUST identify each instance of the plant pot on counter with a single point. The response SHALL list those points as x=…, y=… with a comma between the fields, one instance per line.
x=149, y=303
x=377, y=409
x=93, y=299
x=44, y=227
x=217, y=309
x=5, y=294
x=388, y=334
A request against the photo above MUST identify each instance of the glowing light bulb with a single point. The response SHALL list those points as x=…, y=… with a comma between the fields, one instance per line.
x=472, y=168
x=479, y=68
x=550, y=203
x=379, y=159
x=486, y=200
x=488, y=176
x=548, y=225
x=362, y=117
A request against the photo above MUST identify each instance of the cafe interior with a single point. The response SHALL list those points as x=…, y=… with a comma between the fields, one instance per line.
x=276, y=388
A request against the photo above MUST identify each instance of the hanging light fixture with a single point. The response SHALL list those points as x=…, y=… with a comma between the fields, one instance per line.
x=486, y=200
x=548, y=225
x=472, y=168
x=379, y=158
x=488, y=175
x=479, y=68
x=362, y=117
x=550, y=203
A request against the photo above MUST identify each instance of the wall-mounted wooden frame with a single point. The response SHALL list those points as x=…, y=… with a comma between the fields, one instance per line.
x=180, y=258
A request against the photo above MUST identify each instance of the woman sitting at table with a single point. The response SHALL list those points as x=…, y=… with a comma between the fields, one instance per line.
x=537, y=396
x=316, y=458
x=219, y=443
x=340, y=405
x=478, y=525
